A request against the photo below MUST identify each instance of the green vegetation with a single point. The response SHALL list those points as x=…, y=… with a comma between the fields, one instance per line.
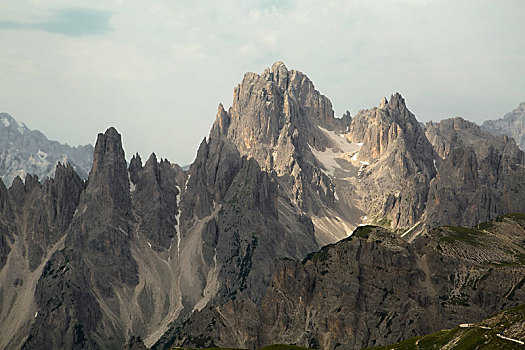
x=247, y=262
x=364, y=231
x=462, y=234
x=480, y=336
x=208, y=349
x=282, y=347
x=321, y=255
x=518, y=217
x=384, y=222
x=485, y=226
x=269, y=347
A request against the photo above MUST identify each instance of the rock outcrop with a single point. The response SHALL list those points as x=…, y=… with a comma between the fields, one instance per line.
x=375, y=289
x=35, y=218
x=77, y=291
x=479, y=177
x=211, y=255
x=512, y=125
x=276, y=118
x=399, y=162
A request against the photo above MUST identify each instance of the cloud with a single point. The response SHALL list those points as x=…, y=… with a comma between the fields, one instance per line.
x=72, y=22
x=143, y=64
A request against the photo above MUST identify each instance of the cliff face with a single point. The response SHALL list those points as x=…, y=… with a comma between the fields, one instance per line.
x=155, y=251
x=375, y=289
x=397, y=163
x=277, y=118
x=34, y=218
x=512, y=125
x=133, y=250
x=479, y=175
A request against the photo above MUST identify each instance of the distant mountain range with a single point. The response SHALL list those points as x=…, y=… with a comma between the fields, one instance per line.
x=512, y=124
x=28, y=152
x=291, y=226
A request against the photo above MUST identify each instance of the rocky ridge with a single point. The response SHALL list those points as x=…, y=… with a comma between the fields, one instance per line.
x=374, y=289
x=512, y=125
x=151, y=250
x=136, y=248
x=24, y=151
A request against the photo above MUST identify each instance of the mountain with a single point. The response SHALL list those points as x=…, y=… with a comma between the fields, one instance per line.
x=135, y=248
x=152, y=253
x=380, y=167
x=512, y=124
x=479, y=177
x=374, y=288
x=24, y=151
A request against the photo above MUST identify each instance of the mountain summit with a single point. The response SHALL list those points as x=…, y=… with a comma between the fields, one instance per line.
x=264, y=237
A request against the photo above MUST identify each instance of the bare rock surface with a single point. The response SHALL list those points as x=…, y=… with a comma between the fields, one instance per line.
x=375, y=289
x=214, y=254
x=512, y=125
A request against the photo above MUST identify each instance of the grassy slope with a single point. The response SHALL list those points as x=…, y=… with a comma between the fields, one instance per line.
x=269, y=347
x=474, y=337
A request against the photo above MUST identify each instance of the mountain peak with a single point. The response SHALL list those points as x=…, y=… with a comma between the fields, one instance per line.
x=12, y=124
x=278, y=65
x=397, y=101
x=109, y=175
x=383, y=102
x=107, y=149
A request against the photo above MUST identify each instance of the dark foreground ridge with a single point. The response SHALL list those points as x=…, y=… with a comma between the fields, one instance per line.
x=374, y=288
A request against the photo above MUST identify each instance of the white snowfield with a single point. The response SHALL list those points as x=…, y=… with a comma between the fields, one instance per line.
x=343, y=150
x=6, y=122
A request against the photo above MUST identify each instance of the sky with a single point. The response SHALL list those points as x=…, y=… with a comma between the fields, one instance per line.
x=157, y=69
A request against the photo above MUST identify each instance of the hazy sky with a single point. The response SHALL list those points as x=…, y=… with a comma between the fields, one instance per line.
x=156, y=70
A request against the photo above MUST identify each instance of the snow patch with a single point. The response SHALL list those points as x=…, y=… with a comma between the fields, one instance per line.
x=149, y=244
x=410, y=229
x=342, y=148
x=42, y=154
x=21, y=127
x=131, y=184
x=6, y=122
x=341, y=142
x=36, y=314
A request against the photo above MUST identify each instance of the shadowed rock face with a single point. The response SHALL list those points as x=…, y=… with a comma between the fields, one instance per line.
x=374, y=289
x=155, y=199
x=153, y=249
x=95, y=263
x=132, y=251
x=34, y=219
